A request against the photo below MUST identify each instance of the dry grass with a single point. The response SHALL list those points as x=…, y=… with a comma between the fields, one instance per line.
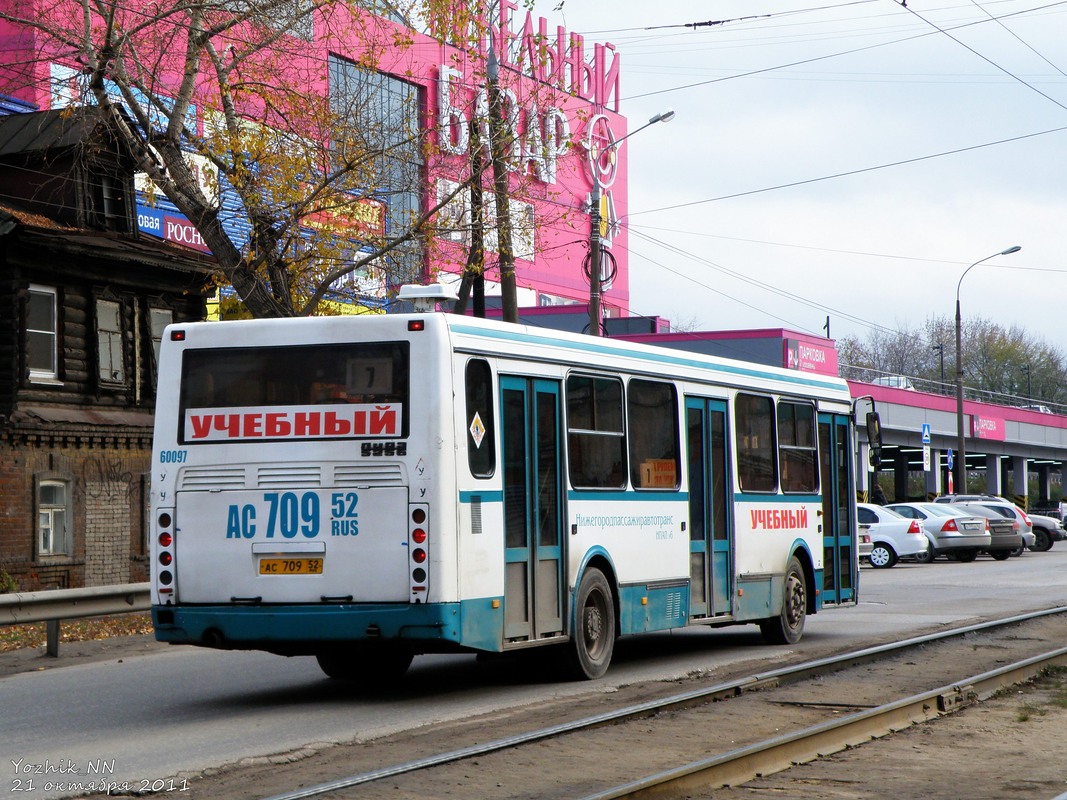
x=16, y=637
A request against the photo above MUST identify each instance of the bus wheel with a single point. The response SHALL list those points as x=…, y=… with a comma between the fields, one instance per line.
x=373, y=665
x=594, y=629
x=788, y=626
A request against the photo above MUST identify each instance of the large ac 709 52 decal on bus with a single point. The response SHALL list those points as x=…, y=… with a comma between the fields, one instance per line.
x=350, y=421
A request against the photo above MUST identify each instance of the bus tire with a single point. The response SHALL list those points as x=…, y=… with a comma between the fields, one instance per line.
x=788, y=626
x=593, y=638
x=371, y=665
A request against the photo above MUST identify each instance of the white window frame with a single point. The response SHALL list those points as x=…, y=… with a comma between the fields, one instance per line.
x=38, y=373
x=50, y=541
x=158, y=320
x=111, y=367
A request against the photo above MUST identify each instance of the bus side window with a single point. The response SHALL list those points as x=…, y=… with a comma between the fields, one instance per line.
x=755, y=443
x=481, y=437
x=796, y=447
x=596, y=442
x=652, y=422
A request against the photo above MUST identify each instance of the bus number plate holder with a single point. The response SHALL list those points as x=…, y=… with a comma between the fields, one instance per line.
x=291, y=566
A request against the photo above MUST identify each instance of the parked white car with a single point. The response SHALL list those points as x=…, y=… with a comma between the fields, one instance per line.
x=893, y=536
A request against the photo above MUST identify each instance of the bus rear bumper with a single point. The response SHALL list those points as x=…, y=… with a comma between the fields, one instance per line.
x=302, y=629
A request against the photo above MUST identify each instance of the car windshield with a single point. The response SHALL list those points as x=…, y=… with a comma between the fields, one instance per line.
x=942, y=510
x=905, y=510
x=1004, y=511
x=948, y=510
x=887, y=512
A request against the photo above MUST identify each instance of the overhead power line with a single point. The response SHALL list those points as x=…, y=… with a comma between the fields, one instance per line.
x=847, y=173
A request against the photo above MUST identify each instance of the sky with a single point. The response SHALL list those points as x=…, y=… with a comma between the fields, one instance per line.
x=843, y=161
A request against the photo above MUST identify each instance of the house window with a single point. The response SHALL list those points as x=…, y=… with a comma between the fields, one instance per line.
x=41, y=332
x=109, y=338
x=159, y=318
x=53, y=513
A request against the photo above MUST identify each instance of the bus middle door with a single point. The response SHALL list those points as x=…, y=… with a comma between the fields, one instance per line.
x=533, y=513
x=840, y=565
x=710, y=525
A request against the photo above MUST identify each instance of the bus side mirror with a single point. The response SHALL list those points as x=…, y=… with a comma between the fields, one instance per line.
x=874, y=438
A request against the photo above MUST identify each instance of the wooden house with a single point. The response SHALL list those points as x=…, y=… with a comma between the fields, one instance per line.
x=84, y=299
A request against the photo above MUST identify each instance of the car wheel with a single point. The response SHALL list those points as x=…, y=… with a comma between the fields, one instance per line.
x=928, y=556
x=1043, y=541
x=883, y=556
x=966, y=556
x=1018, y=551
x=1000, y=555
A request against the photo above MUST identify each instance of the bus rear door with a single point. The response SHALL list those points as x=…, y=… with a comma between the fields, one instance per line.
x=533, y=512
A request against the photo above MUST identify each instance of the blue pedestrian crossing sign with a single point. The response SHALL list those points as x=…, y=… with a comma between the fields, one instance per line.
x=926, y=433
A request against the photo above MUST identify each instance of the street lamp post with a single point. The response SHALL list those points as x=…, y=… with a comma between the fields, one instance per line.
x=594, y=217
x=961, y=455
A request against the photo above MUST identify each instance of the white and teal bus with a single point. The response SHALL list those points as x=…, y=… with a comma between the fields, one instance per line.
x=365, y=489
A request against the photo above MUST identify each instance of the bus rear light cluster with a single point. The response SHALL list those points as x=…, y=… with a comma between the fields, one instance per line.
x=418, y=546
x=164, y=553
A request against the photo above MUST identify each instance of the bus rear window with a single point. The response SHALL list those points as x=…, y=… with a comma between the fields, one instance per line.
x=355, y=390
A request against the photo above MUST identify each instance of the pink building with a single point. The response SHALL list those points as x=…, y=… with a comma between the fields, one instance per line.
x=559, y=96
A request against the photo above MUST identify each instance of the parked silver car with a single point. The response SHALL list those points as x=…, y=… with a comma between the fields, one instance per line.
x=1000, y=505
x=893, y=536
x=953, y=531
x=1005, y=534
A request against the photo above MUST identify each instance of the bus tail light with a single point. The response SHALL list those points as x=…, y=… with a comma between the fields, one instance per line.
x=163, y=572
x=418, y=551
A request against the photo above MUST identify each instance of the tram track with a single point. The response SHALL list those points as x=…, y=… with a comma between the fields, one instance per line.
x=817, y=726
x=780, y=753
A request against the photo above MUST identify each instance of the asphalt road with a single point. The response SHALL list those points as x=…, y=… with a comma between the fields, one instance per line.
x=151, y=717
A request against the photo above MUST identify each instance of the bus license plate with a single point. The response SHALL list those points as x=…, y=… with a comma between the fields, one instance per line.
x=290, y=566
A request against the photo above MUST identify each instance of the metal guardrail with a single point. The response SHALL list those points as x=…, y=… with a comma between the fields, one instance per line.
x=54, y=605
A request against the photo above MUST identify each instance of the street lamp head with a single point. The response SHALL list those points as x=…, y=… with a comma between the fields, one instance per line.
x=961, y=454
x=663, y=116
